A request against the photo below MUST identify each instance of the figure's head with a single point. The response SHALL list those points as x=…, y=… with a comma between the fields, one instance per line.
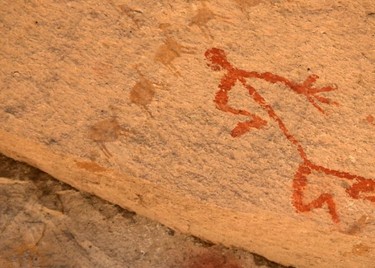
x=217, y=59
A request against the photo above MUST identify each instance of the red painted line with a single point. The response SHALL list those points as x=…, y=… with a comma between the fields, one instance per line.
x=217, y=61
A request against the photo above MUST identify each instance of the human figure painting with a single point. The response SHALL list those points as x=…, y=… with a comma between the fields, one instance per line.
x=361, y=187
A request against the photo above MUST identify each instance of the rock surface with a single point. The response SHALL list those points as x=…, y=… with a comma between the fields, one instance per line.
x=247, y=123
x=46, y=223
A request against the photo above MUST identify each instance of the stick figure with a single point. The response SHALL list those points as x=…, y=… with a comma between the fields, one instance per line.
x=217, y=60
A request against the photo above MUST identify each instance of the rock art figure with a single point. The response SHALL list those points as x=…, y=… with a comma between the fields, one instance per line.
x=203, y=16
x=108, y=130
x=370, y=119
x=143, y=92
x=168, y=52
x=135, y=15
x=361, y=188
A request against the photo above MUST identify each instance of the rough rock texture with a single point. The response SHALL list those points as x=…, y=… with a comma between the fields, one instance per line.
x=46, y=223
x=248, y=123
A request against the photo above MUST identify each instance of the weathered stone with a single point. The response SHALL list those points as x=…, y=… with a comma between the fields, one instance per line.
x=248, y=123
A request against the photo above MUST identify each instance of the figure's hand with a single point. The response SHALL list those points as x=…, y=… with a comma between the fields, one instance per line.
x=311, y=92
x=361, y=190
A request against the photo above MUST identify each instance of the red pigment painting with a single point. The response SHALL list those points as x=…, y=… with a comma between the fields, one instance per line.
x=361, y=187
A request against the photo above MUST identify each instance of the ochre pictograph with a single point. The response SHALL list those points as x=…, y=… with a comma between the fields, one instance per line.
x=143, y=92
x=108, y=130
x=168, y=52
x=361, y=188
x=203, y=16
x=135, y=15
x=370, y=119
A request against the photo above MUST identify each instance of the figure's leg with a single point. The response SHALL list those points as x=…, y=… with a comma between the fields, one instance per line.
x=299, y=185
x=360, y=187
x=104, y=149
x=244, y=127
x=221, y=100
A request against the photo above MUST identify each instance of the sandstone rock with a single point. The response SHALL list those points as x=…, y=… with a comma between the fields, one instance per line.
x=247, y=123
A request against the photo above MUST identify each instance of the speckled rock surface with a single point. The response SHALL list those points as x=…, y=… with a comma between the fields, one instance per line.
x=46, y=223
x=247, y=123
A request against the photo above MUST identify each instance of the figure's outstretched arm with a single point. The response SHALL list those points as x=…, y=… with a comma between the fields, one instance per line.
x=217, y=60
x=306, y=88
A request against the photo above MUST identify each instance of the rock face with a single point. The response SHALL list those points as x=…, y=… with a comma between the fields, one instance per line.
x=247, y=123
x=46, y=223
